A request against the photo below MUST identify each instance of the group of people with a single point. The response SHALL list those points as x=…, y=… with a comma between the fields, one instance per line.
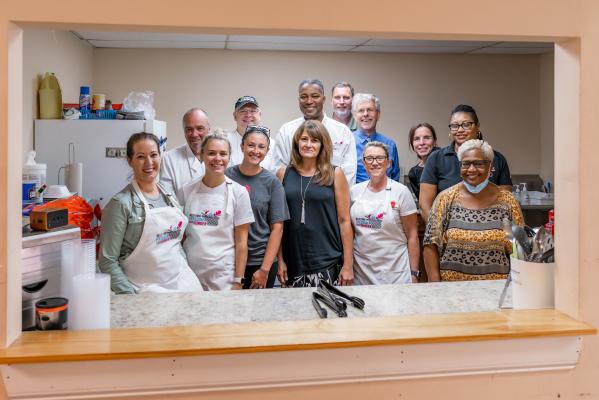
x=320, y=201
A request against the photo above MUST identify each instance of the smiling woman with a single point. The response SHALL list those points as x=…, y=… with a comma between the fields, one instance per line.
x=464, y=238
x=142, y=229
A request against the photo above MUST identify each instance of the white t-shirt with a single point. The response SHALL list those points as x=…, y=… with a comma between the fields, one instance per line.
x=179, y=166
x=242, y=207
x=344, y=146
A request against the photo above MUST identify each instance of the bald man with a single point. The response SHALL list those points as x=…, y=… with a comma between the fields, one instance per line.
x=182, y=164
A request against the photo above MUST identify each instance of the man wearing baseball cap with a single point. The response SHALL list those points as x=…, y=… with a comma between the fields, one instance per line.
x=246, y=113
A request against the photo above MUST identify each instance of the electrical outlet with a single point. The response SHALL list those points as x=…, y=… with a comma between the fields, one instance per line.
x=116, y=152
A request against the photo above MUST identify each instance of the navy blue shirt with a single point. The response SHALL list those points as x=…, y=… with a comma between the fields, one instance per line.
x=361, y=140
x=442, y=168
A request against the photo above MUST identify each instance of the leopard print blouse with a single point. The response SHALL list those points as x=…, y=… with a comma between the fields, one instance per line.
x=471, y=243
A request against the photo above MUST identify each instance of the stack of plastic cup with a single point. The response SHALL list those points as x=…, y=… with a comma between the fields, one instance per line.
x=89, y=305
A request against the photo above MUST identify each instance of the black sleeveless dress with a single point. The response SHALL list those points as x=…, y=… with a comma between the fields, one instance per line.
x=312, y=250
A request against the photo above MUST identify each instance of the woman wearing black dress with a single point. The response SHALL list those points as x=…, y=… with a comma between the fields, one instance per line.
x=317, y=239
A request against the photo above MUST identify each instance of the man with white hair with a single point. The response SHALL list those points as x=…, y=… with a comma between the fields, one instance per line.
x=311, y=104
x=182, y=165
x=366, y=108
x=341, y=100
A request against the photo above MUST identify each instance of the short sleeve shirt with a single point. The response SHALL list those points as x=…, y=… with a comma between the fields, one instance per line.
x=442, y=169
x=269, y=206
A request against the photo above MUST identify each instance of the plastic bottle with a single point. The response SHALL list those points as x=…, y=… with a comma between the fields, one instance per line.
x=33, y=172
x=84, y=99
x=524, y=193
x=50, y=97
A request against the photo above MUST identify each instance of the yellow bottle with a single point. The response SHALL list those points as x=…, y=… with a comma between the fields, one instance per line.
x=50, y=97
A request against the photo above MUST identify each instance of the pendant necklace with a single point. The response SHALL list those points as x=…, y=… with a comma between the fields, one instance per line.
x=303, y=194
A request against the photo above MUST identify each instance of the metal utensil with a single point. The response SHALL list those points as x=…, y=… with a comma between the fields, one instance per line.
x=356, y=301
x=548, y=256
x=522, y=239
x=504, y=291
x=541, y=243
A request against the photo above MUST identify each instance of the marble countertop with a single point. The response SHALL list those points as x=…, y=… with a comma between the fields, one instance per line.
x=159, y=310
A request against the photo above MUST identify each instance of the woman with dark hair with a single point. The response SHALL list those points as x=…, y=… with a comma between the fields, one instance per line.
x=268, y=204
x=317, y=239
x=422, y=141
x=142, y=228
x=442, y=169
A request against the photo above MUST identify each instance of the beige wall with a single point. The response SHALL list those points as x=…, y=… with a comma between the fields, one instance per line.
x=435, y=18
x=55, y=51
x=413, y=88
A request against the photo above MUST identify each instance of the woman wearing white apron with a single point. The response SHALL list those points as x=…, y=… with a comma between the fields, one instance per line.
x=142, y=229
x=383, y=213
x=219, y=213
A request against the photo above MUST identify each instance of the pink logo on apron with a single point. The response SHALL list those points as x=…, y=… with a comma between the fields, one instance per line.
x=170, y=234
x=206, y=218
x=371, y=221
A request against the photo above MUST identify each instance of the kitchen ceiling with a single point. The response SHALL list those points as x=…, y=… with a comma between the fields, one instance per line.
x=305, y=43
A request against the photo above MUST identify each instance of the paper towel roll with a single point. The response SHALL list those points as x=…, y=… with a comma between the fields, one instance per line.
x=89, y=307
x=74, y=177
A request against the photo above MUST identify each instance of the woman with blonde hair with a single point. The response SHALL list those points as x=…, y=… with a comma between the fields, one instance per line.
x=317, y=239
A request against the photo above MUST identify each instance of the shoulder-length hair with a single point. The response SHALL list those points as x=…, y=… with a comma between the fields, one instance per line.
x=325, y=173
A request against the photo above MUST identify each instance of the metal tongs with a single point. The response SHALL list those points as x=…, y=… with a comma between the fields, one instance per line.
x=321, y=297
x=356, y=301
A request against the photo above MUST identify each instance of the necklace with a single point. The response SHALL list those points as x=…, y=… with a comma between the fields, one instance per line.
x=303, y=194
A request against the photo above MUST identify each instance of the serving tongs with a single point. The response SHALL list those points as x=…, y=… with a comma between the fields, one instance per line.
x=319, y=297
x=322, y=312
x=356, y=301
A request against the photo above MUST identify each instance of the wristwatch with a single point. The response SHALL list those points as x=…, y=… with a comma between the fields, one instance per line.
x=415, y=273
x=240, y=280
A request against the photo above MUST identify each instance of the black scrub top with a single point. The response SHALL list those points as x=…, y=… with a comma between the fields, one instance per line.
x=443, y=169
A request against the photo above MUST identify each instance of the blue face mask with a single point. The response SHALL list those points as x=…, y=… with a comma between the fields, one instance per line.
x=478, y=188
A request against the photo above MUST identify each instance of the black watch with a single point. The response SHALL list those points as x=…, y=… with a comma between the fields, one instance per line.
x=241, y=280
x=415, y=273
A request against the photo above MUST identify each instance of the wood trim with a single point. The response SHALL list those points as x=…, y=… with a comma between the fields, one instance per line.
x=36, y=347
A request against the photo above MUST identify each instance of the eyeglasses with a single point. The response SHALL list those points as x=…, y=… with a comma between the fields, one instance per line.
x=465, y=125
x=478, y=164
x=249, y=111
x=257, y=128
x=370, y=159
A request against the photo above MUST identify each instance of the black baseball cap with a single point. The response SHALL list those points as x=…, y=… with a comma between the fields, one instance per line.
x=242, y=101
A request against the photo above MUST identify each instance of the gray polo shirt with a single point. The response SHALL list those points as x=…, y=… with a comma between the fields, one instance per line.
x=442, y=168
x=268, y=204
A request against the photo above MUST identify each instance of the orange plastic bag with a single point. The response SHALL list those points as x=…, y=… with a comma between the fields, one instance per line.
x=80, y=214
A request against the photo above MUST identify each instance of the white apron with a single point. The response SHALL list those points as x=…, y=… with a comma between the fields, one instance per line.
x=210, y=242
x=157, y=264
x=380, y=244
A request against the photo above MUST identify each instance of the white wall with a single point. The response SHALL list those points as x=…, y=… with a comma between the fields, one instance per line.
x=52, y=51
x=413, y=88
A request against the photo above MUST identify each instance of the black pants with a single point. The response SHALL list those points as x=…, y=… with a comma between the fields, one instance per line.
x=272, y=274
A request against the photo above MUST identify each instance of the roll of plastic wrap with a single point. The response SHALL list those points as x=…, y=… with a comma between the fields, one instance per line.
x=90, y=304
x=74, y=178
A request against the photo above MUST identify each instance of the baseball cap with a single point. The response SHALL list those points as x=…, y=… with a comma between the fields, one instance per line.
x=242, y=101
